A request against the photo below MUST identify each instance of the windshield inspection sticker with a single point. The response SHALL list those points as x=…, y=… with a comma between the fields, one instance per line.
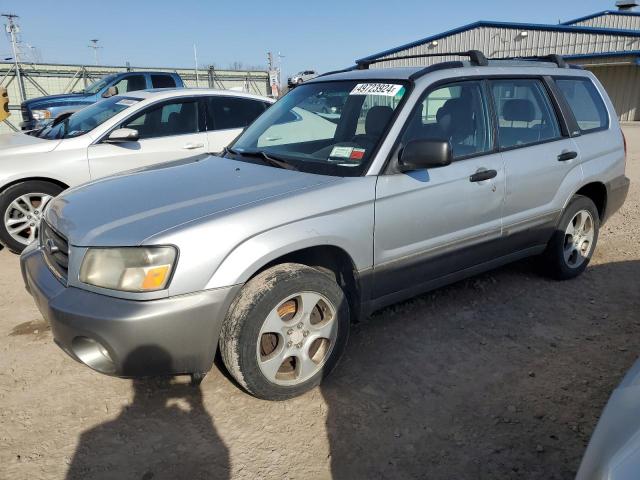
x=341, y=152
x=383, y=89
x=357, y=154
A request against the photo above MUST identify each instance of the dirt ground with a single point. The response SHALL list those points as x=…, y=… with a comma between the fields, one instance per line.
x=500, y=376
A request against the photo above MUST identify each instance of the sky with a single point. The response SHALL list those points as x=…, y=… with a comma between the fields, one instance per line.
x=309, y=34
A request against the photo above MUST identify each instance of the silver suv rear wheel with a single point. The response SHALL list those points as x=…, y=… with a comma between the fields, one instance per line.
x=572, y=245
x=578, y=239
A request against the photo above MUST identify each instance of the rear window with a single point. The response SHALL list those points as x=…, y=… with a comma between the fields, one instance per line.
x=162, y=81
x=525, y=113
x=585, y=102
x=226, y=112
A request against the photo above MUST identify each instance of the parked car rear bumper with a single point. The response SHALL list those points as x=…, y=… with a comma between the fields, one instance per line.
x=175, y=335
x=617, y=191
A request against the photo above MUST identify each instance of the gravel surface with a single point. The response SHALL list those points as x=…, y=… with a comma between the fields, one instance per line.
x=500, y=376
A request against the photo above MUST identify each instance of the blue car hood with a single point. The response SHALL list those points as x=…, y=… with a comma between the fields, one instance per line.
x=53, y=100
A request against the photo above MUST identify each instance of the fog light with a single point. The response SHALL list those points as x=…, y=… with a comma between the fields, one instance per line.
x=93, y=354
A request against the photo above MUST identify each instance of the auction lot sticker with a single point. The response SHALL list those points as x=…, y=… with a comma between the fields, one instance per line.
x=383, y=89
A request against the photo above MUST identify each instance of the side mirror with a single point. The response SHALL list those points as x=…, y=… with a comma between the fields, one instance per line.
x=420, y=154
x=110, y=92
x=61, y=118
x=122, y=135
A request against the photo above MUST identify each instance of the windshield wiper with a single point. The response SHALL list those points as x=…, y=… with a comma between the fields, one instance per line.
x=264, y=156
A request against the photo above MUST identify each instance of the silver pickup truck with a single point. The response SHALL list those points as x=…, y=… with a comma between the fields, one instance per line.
x=420, y=177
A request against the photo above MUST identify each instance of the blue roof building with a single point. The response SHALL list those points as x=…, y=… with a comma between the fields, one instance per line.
x=607, y=43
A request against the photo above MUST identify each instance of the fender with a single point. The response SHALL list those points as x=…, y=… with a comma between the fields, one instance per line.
x=352, y=231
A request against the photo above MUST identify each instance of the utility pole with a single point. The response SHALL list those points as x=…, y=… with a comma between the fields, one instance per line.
x=195, y=57
x=280, y=57
x=13, y=29
x=273, y=76
x=96, y=47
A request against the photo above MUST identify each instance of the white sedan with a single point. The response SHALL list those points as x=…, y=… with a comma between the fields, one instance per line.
x=121, y=133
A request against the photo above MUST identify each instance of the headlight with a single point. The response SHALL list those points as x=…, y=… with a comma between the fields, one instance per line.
x=135, y=269
x=41, y=114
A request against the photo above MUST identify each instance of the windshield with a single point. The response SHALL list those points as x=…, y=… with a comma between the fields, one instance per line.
x=331, y=128
x=99, y=85
x=86, y=119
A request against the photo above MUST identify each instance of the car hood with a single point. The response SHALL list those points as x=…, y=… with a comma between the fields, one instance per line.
x=55, y=100
x=13, y=143
x=127, y=209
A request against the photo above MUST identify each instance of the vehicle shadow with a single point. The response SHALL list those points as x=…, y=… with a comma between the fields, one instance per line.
x=500, y=376
x=165, y=433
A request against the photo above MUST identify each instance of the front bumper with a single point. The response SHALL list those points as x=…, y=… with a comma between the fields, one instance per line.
x=170, y=336
x=34, y=124
x=28, y=125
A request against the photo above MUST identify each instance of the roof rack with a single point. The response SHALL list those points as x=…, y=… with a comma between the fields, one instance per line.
x=553, y=58
x=350, y=69
x=476, y=57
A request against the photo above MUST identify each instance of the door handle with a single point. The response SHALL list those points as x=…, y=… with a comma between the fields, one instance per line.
x=192, y=146
x=482, y=175
x=566, y=156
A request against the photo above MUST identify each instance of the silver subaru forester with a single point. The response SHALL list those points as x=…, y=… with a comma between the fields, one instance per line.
x=418, y=177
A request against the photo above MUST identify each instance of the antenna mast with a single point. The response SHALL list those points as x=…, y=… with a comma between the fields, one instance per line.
x=12, y=29
x=94, y=45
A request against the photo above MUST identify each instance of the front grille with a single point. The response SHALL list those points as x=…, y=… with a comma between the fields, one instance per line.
x=26, y=113
x=56, y=250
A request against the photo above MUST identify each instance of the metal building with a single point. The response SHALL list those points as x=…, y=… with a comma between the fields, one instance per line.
x=607, y=43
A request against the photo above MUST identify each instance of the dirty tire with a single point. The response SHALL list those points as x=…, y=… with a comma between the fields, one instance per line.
x=554, y=263
x=257, y=299
x=14, y=192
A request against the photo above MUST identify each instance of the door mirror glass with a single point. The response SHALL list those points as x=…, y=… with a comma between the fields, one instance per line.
x=121, y=135
x=110, y=92
x=420, y=154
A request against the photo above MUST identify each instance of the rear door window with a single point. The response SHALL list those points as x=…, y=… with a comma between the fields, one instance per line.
x=225, y=112
x=586, y=103
x=525, y=113
x=162, y=81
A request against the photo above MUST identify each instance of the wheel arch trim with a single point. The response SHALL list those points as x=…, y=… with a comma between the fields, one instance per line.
x=35, y=178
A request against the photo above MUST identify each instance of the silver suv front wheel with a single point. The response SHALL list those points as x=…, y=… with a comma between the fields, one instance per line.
x=285, y=331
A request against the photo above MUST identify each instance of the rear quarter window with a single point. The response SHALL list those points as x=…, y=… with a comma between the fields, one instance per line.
x=162, y=81
x=226, y=112
x=585, y=102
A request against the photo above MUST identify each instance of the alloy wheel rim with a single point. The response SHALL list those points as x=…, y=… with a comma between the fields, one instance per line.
x=22, y=217
x=297, y=338
x=578, y=239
